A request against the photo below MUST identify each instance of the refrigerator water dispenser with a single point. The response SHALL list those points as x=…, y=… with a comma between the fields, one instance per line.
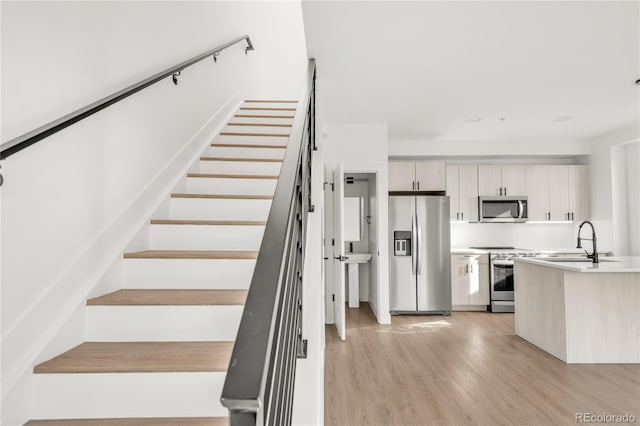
x=402, y=243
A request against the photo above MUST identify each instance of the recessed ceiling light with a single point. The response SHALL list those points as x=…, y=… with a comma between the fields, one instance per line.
x=473, y=119
x=562, y=118
x=503, y=118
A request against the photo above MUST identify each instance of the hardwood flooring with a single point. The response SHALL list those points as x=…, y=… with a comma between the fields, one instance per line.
x=465, y=369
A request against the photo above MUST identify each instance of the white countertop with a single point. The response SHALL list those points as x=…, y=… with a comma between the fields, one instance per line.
x=468, y=251
x=607, y=264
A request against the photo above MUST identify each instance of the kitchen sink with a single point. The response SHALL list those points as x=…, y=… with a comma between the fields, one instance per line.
x=572, y=259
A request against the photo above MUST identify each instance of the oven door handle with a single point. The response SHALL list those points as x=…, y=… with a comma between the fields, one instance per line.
x=503, y=263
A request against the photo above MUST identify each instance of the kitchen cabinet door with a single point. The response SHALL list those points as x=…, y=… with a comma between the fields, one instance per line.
x=514, y=180
x=430, y=175
x=537, y=185
x=481, y=296
x=579, y=200
x=453, y=191
x=559, y=192
x=489, y=180
x=468, y=175
x=402, y=175
x=459, y=280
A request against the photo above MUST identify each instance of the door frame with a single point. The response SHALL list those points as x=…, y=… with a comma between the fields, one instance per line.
x=381, y=303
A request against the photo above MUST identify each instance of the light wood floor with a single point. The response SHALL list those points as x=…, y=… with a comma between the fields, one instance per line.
x=466, y=369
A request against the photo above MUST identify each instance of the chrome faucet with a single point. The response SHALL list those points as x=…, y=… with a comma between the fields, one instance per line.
x=593, y=256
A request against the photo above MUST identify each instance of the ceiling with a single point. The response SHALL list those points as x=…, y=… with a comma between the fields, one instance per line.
x=430, y=68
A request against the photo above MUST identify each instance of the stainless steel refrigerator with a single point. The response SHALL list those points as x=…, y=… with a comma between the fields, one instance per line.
x=420, y=265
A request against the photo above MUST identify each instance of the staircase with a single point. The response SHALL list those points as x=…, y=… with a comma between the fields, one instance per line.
x=156, y=351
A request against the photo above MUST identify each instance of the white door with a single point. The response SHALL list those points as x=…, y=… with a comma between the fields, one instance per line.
x=338, y=251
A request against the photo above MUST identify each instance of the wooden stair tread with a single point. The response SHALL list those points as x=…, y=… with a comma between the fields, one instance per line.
x=259, y=124
x=247, y=145
x=140, y=357
x=208, y=222
x=229, y=176
x=224, y=196
x=136, y=297
x=253, y=160
x=270, y=101
x=250, y=134
x=262, y=116
x=267, y=109
x=191, y=254
x=142, y=421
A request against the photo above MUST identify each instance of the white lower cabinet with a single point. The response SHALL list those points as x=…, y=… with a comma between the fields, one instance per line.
x=469, y=282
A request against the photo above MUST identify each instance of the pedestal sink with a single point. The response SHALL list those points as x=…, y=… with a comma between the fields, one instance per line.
x=353, y=261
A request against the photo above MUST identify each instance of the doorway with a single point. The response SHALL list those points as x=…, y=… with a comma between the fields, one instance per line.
x=356, y=272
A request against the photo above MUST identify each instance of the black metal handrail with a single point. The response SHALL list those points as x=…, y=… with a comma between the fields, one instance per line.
x=21, y=142
x=258, y=389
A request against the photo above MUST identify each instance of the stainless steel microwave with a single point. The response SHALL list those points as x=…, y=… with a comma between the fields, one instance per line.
x=503, y=209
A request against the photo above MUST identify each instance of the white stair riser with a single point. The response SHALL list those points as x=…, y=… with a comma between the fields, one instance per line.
x=240, y=167
x=232, y=152
x=268, y=140
x=206, y=185
x=64, y=396
x=188, y=273
x=219, y=209
x=263, y=104
x=258, y=129
x=205, y=237
x=262, y=120
x=163, y=323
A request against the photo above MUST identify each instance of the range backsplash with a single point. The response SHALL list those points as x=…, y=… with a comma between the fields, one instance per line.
x=522, y=235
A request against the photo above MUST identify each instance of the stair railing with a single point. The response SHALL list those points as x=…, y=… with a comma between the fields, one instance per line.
x=259, y=385
x=21, y=142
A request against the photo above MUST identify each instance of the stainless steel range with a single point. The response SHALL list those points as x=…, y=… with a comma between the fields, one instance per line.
x=501, y=275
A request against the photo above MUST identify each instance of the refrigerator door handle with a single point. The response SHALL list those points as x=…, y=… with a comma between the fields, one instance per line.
x=418, y=239
x=414, y=245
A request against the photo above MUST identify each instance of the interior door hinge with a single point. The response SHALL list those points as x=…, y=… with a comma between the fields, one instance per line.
x=333, y=297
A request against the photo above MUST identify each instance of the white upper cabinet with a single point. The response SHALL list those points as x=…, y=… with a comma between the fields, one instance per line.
x=579, y=200
x=402, y=175
x=558, y=193
x=462, y=189
x=537, y=191
x=489, y=180
x=428, y=175
x=514, y=180
x=453, y=191
x=496, y=180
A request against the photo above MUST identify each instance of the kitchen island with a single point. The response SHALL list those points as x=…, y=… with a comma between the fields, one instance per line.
x=578, y=311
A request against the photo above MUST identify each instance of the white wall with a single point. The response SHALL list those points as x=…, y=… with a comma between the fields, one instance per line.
x=72, y=202
x=362, y=148
x=520, y=235
x=308, y=402
x=360, y=188
x=633, y=197
x=608, y=186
